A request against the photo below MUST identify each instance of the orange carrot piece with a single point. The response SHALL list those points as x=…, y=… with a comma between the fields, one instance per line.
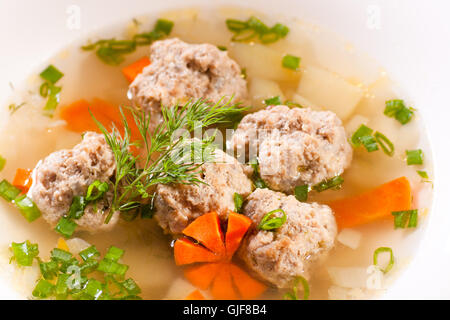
x=202, y=275
x=79, y=119
x=187, y=252
x=195, y=295
x=222, y=287
x=206, y=229
x=130, y=72
x=373, y=205
x=22, y=179
x=248, y=287
x=238, y=225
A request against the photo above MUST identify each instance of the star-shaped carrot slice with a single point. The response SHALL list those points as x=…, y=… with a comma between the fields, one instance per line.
x=211, y=254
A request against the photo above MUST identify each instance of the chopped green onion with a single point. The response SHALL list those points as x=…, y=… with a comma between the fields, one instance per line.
x=43, y=289
x=8, y=191
x=258, y=182
x=363, y=136
x=402, y=217
x=280, y=29
x=76, y=210
x=238, y=201
x=131, y=286
x=14, y=107
x=222, y=48
x=24, y=252
x=244, y=73
x=385, y=143
x=254, y=27
x=96, y=190
x=2, y=163
x=61, y=289
x=301, y=193
x=333, y=183
x=269, y=223
x=53, y=100
x=89, y=253
x=391, y=259
x=49, y=270
x=65, y=266
x=112, y=267
x=114, y=253
x=293, y=104
x=27, y=208
x=51, y=74
x=274, y=101
x=291, y=62
x=397, y=109
x=294, y=294
x=88, y=266
x=423, y=174
x=369, y=143
x=66, y=227
x=414, y=157
x=164, y=26
x=61, y=255
x=94, y=289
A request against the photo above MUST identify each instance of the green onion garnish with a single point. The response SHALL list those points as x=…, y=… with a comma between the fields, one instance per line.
x=88, y=266
x=238, y=202
x=363, y=136
x=385, y=143
x=2, y=163
x=391, y=260
x=274, y=101
x=294, y=294
x=112, y=267
x=402, y=217
x=333, y=183
x=61, y=289
x=222, y=48
x=292, y=104
x=272, y=223
x=76, y=210
x=66, y=227
x=255, y=28
x=112, y=51
x=43, y=289
x=423, y=174
x=414, y=157
x=96, y=190
x=61, y=255
x=24, y=253
x=291, y=62
x=27, y=208
x=397, y=109
x=51, y=74
x=8, y=191
x=258, y=182
x=244, y=73
x=89, y=253
x=114, y=253
x=131, y=286
x=94, y=289
x=301, y=193
x=49, y=270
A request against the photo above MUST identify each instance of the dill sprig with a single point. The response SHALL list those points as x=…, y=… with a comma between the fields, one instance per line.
x=169, y=156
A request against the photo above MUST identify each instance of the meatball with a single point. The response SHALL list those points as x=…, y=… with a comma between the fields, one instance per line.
x=281, y=255
x=68, y=173
x=294, y=146
x=180, y=71
x=178, y=204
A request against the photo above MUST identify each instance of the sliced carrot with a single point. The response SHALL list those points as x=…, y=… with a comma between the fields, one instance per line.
x=195, y=295
x=248, y=287
x=22, y=179
x=373, y=205
x=206, y=230
x=202, y=275
x=238, y=225
x=222, y=287
x=130, y=72
x=187, y=252
x=62, y=244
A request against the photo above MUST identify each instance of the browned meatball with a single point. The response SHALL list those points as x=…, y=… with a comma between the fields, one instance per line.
x=178, y=205
x=68, y=173
x=294, y=146
x=280, y=255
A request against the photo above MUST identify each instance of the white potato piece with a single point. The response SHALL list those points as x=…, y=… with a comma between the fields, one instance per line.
x=329, y=91
x=354, y=123
x=349, y=238
x=305, y=102
x=76, y=245
x=261, y=89
x=261, y=61
x=179, y=289
x=348, y=277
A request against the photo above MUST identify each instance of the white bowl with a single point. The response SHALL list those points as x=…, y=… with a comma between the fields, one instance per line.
x=408, y=37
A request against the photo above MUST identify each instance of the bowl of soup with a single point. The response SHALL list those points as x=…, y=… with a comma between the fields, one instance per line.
x=198, y=151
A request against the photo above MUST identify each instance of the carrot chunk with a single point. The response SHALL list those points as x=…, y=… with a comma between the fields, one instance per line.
x=206, y=229
x=202, y=275
x=130, y=72
x=248, y=287
x=222, y=287
x=238, y=225
x=373, y=205
x=22, y=179
x=195, y=295
x=187, y=252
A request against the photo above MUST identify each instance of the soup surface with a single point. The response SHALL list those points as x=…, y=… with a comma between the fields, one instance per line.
x=332, y=76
